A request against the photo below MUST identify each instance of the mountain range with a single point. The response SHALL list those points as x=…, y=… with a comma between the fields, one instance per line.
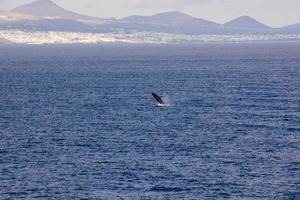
x=45, y=15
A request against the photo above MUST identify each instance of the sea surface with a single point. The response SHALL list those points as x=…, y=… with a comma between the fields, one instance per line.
x=79, y=122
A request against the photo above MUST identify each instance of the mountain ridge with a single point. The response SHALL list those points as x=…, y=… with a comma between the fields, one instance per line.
x=170, y=18
x=167, y=22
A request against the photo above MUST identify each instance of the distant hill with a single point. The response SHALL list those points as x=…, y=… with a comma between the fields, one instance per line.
x=170, y=22
x=45, y=15
x=20, y=21
x=47, y=8
x=246, y=22
x=295, y=28
x=169, y=19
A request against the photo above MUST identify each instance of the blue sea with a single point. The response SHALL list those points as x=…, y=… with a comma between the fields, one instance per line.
x=79, y=122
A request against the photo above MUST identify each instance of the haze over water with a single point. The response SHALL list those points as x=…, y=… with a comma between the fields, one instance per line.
x=80, y=122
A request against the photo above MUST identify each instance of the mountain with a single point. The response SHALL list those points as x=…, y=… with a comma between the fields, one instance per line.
x=294, y=26
x=19, y=21
x=246, y=22
x=169, y=19
x=47, y=8
x=45, y=15
x=170, y=22
x=291, y=29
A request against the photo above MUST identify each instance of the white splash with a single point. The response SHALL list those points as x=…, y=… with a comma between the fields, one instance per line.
x=167, y=102
x=163, y=105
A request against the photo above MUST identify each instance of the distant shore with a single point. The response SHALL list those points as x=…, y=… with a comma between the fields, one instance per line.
x=40, y=38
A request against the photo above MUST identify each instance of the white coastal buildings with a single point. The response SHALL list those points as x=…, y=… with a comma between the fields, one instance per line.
x=37, y=37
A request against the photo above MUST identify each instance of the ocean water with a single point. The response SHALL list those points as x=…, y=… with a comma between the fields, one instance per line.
x=80, y=122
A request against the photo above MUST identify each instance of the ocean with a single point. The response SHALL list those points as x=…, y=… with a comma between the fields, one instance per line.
x=79, y=122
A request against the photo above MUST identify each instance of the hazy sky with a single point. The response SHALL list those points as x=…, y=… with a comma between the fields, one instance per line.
x=275, y=13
